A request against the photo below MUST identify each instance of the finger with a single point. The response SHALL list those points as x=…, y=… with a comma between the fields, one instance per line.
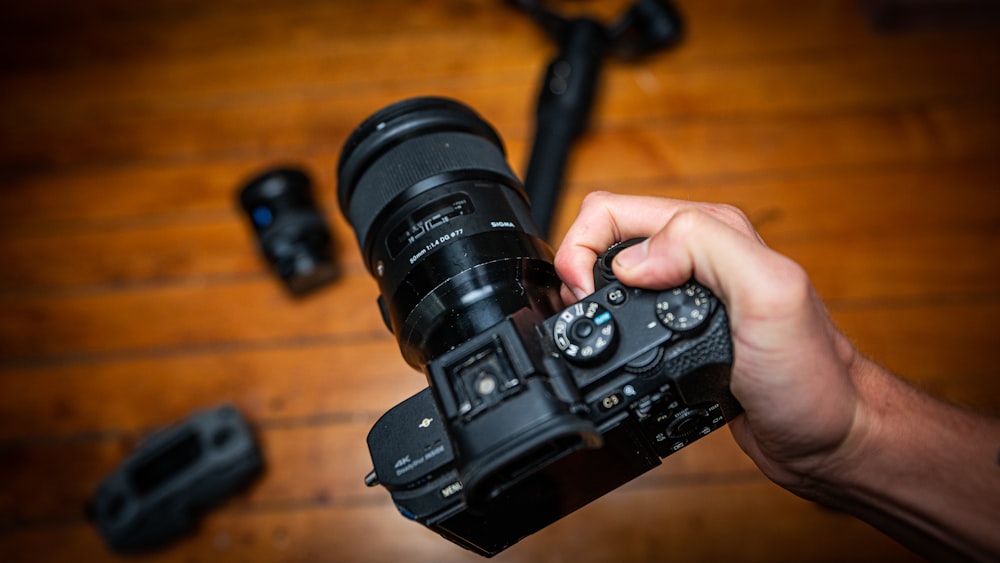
x=695, y=243
x=605, y=219
x=568, y=297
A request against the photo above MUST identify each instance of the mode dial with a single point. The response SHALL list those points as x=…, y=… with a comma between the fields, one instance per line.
x=584, y=332
x=685, y=307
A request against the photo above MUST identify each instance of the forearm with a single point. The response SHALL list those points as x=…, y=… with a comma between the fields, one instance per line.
x=921, y=470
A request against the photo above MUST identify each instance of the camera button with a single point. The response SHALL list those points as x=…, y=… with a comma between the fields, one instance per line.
x=646, y=364
x=583, y=328
x=609, y=402
x=617, y=296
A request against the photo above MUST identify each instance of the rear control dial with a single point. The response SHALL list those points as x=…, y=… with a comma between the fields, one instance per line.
x=584, y=332
x=687, y=422
x=685, y=307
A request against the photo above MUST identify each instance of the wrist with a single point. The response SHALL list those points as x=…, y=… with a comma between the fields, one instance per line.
x=921, y=470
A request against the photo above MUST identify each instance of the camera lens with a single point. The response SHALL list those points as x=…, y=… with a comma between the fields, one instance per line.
x=292, y=234
x=443, y=225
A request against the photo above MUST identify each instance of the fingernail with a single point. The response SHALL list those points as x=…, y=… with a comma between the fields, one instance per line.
x=577, y=292
x=633, y=255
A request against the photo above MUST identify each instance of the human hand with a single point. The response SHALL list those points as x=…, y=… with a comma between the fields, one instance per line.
x=792, y=369
x=819, y=418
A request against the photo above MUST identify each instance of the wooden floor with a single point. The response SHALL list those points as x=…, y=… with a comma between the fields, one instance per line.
x=131, y=293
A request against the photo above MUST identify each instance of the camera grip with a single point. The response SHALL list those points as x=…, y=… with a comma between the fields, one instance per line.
x=702, y=367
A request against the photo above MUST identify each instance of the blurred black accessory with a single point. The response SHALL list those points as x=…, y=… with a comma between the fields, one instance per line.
x=568, y=87
x=158, y=493
x=290, y=230
x=532, y=410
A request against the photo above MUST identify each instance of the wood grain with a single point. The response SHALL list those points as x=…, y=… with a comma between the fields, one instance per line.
x=132, y=293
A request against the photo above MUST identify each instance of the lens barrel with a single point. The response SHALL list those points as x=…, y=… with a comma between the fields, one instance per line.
x=443, y=225
x=440, y=136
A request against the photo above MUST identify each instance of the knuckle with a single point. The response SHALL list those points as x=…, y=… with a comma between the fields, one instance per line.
x=734, y=217
x=788, y=291
x=597, y=198
x=562, y=260
x=688, y=220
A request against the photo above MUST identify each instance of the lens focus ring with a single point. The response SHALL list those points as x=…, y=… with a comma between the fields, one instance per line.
x=404, y=166
x=372, y=172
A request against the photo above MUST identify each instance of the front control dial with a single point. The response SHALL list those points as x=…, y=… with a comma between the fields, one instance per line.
x=685, y=307
x=584, y=332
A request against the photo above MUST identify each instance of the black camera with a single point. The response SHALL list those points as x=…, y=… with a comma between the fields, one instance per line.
x=532, y=410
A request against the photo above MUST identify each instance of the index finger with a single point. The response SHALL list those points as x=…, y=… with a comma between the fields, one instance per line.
x=606, y=218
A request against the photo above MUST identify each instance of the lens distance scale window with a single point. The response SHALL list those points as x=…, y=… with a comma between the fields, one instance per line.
x=426, y=219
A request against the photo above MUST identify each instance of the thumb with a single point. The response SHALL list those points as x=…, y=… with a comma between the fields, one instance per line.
x=668, y=258
x=736, y=267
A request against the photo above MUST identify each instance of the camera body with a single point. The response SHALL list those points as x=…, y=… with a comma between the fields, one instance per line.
x=532, y=409
x=535, y=417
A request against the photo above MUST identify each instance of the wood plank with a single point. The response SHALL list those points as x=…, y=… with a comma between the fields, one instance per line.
x=902, y=152
x=786, y=144
x=911, y=136
x=927, y=341
x=797, y=83
x=828, y=43
x=135, y=195
x=270, y=382
x=868, y=266
x=277, y=128
x=180, y=315
x=188, y=31
x=145, y=253
x=799, y=216
x=667, y=87
x=786, y=207
x=637, y=524
x=275, y=381
x=201, y=315
x=308, y=464
x=52, y=129
x=896, y=268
